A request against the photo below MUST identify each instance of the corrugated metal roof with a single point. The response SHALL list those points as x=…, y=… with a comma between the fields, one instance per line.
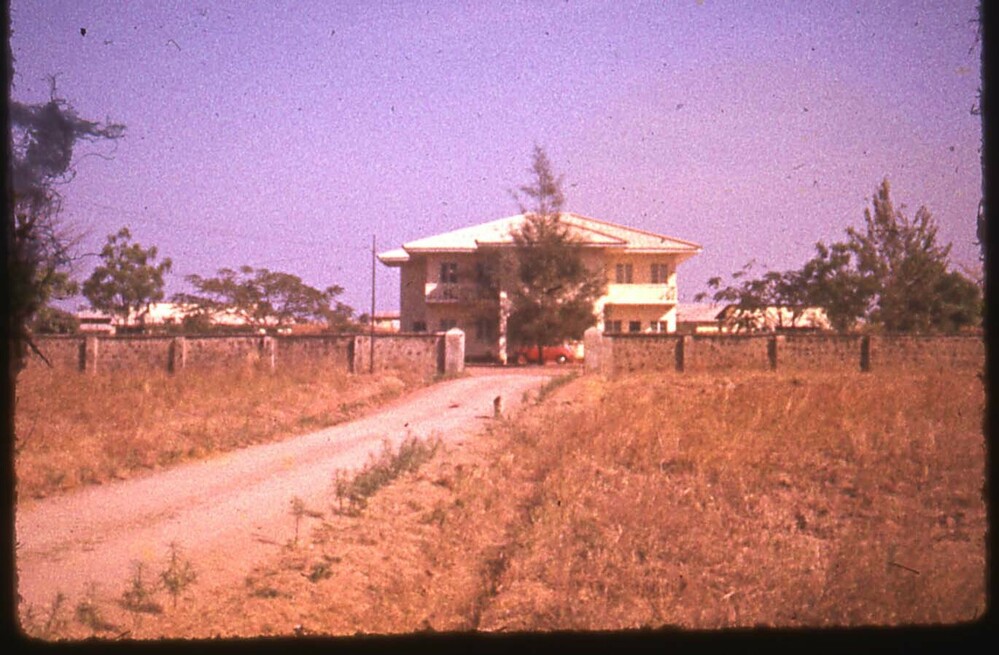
x=697, y=313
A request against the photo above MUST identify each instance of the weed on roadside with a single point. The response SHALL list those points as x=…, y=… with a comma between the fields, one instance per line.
x=138, y=598
x=178, y=575
x=299, y=510
x=88, y=612
x=553, y=385
x=388, y=465
x=48, y=624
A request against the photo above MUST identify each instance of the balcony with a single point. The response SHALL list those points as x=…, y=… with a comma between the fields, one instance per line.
x=444, y=293
x=641, y=294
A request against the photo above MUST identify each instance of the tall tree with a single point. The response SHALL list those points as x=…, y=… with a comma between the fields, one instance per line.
x=553, y=291
x=265, y=298
x=903, y=267
x=128, y=280
x=42, y=142
x=892, y=275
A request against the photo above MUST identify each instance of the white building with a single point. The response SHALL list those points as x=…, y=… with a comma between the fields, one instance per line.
x=449, y=280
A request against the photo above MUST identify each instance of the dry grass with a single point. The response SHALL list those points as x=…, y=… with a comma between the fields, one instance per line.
x=690, y=501
x=74, y=429
x=760, y=500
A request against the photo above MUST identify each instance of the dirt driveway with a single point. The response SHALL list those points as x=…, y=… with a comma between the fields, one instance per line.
x=227, y=512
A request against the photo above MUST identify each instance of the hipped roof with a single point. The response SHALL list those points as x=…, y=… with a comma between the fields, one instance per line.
x=590, y=232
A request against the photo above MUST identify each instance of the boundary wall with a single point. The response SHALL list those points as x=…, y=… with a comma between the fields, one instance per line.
x=618, y=353
x=427, y=353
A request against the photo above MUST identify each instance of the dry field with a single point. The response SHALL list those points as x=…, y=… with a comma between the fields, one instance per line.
x=691, y=501
x=74, y=430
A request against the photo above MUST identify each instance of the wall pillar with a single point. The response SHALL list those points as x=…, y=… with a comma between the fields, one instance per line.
x=269, y=354
x=865, y=353
x=681, y=353
x=774, y=344
x=454, y=351
x=178, y=355
x=91, y=352
x=592, y=345
x=504, y=315
x=352, y=348
x=607, y=354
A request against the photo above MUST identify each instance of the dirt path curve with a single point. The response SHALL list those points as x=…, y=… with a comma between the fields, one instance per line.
x=227, y=512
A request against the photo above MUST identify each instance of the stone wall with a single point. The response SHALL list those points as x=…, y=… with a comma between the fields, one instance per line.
x=211, y=351
x=818, y=352
x=923, y=352
x=334, y=351
x=644, y=352
x=64, y=353
x=732, y=352
x=423, y=352
x=617, y=353
x=132, y=354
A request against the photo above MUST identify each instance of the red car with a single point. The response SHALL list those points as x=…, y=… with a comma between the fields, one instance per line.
x=529, y=354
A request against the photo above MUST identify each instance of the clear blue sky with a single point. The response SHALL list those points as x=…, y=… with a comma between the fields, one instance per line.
x=285, y=134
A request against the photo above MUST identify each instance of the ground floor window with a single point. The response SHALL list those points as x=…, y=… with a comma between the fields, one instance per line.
x=634, y=326
x=660, y=326
x=419, y=326
x=612, y=326
x=448, y=323
x=484, y=329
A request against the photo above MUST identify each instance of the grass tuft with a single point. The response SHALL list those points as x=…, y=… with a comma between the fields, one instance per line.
x=352, y=490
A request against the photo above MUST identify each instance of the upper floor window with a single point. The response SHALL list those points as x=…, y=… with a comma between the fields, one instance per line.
x=634, y=326
x=483, y=276
x=612, y=326
x=419, y=326
x=659, y=326
x=660, y=273
x=623, y=273
x=448, y=323
x=449, y=272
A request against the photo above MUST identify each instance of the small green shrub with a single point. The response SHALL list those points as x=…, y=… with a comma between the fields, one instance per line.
x=88, y=612
x=178, y=575
x=138, y=598
x=379, y=471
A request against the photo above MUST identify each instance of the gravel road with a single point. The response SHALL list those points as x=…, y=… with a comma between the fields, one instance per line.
x=227, y=512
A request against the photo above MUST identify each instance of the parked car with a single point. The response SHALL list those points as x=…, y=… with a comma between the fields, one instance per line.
x=529, y=354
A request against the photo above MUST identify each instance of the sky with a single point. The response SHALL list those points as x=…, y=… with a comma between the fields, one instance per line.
x=287, y=135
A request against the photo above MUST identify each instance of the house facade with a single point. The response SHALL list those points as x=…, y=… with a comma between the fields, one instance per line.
x=454, y=279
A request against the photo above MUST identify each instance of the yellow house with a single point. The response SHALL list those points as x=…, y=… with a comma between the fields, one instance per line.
x=452, y=279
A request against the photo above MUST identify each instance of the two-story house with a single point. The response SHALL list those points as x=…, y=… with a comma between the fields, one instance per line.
x=453, y=280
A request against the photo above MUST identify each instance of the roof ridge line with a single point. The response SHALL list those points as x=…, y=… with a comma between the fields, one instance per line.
x=632, y=229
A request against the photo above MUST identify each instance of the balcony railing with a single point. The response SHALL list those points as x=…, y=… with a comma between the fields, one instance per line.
x=641, y=294
x=438, y=292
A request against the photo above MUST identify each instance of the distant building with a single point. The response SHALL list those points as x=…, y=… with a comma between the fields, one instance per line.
x=157, y=314
x=94, y=322
x=774, y=319
x=729, y=319
x=387, y=322
x=698, y=318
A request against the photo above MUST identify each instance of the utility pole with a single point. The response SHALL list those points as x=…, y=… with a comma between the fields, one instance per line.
x=371, y=320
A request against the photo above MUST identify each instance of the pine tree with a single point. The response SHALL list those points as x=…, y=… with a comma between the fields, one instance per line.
x=553, y=294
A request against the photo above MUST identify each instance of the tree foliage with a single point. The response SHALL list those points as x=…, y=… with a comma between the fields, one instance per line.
x=265, y=298
x=891, y=275
x=553, y=291
x=751, y=297
x=52, y=320
x=128, y=280
x=42, y=141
